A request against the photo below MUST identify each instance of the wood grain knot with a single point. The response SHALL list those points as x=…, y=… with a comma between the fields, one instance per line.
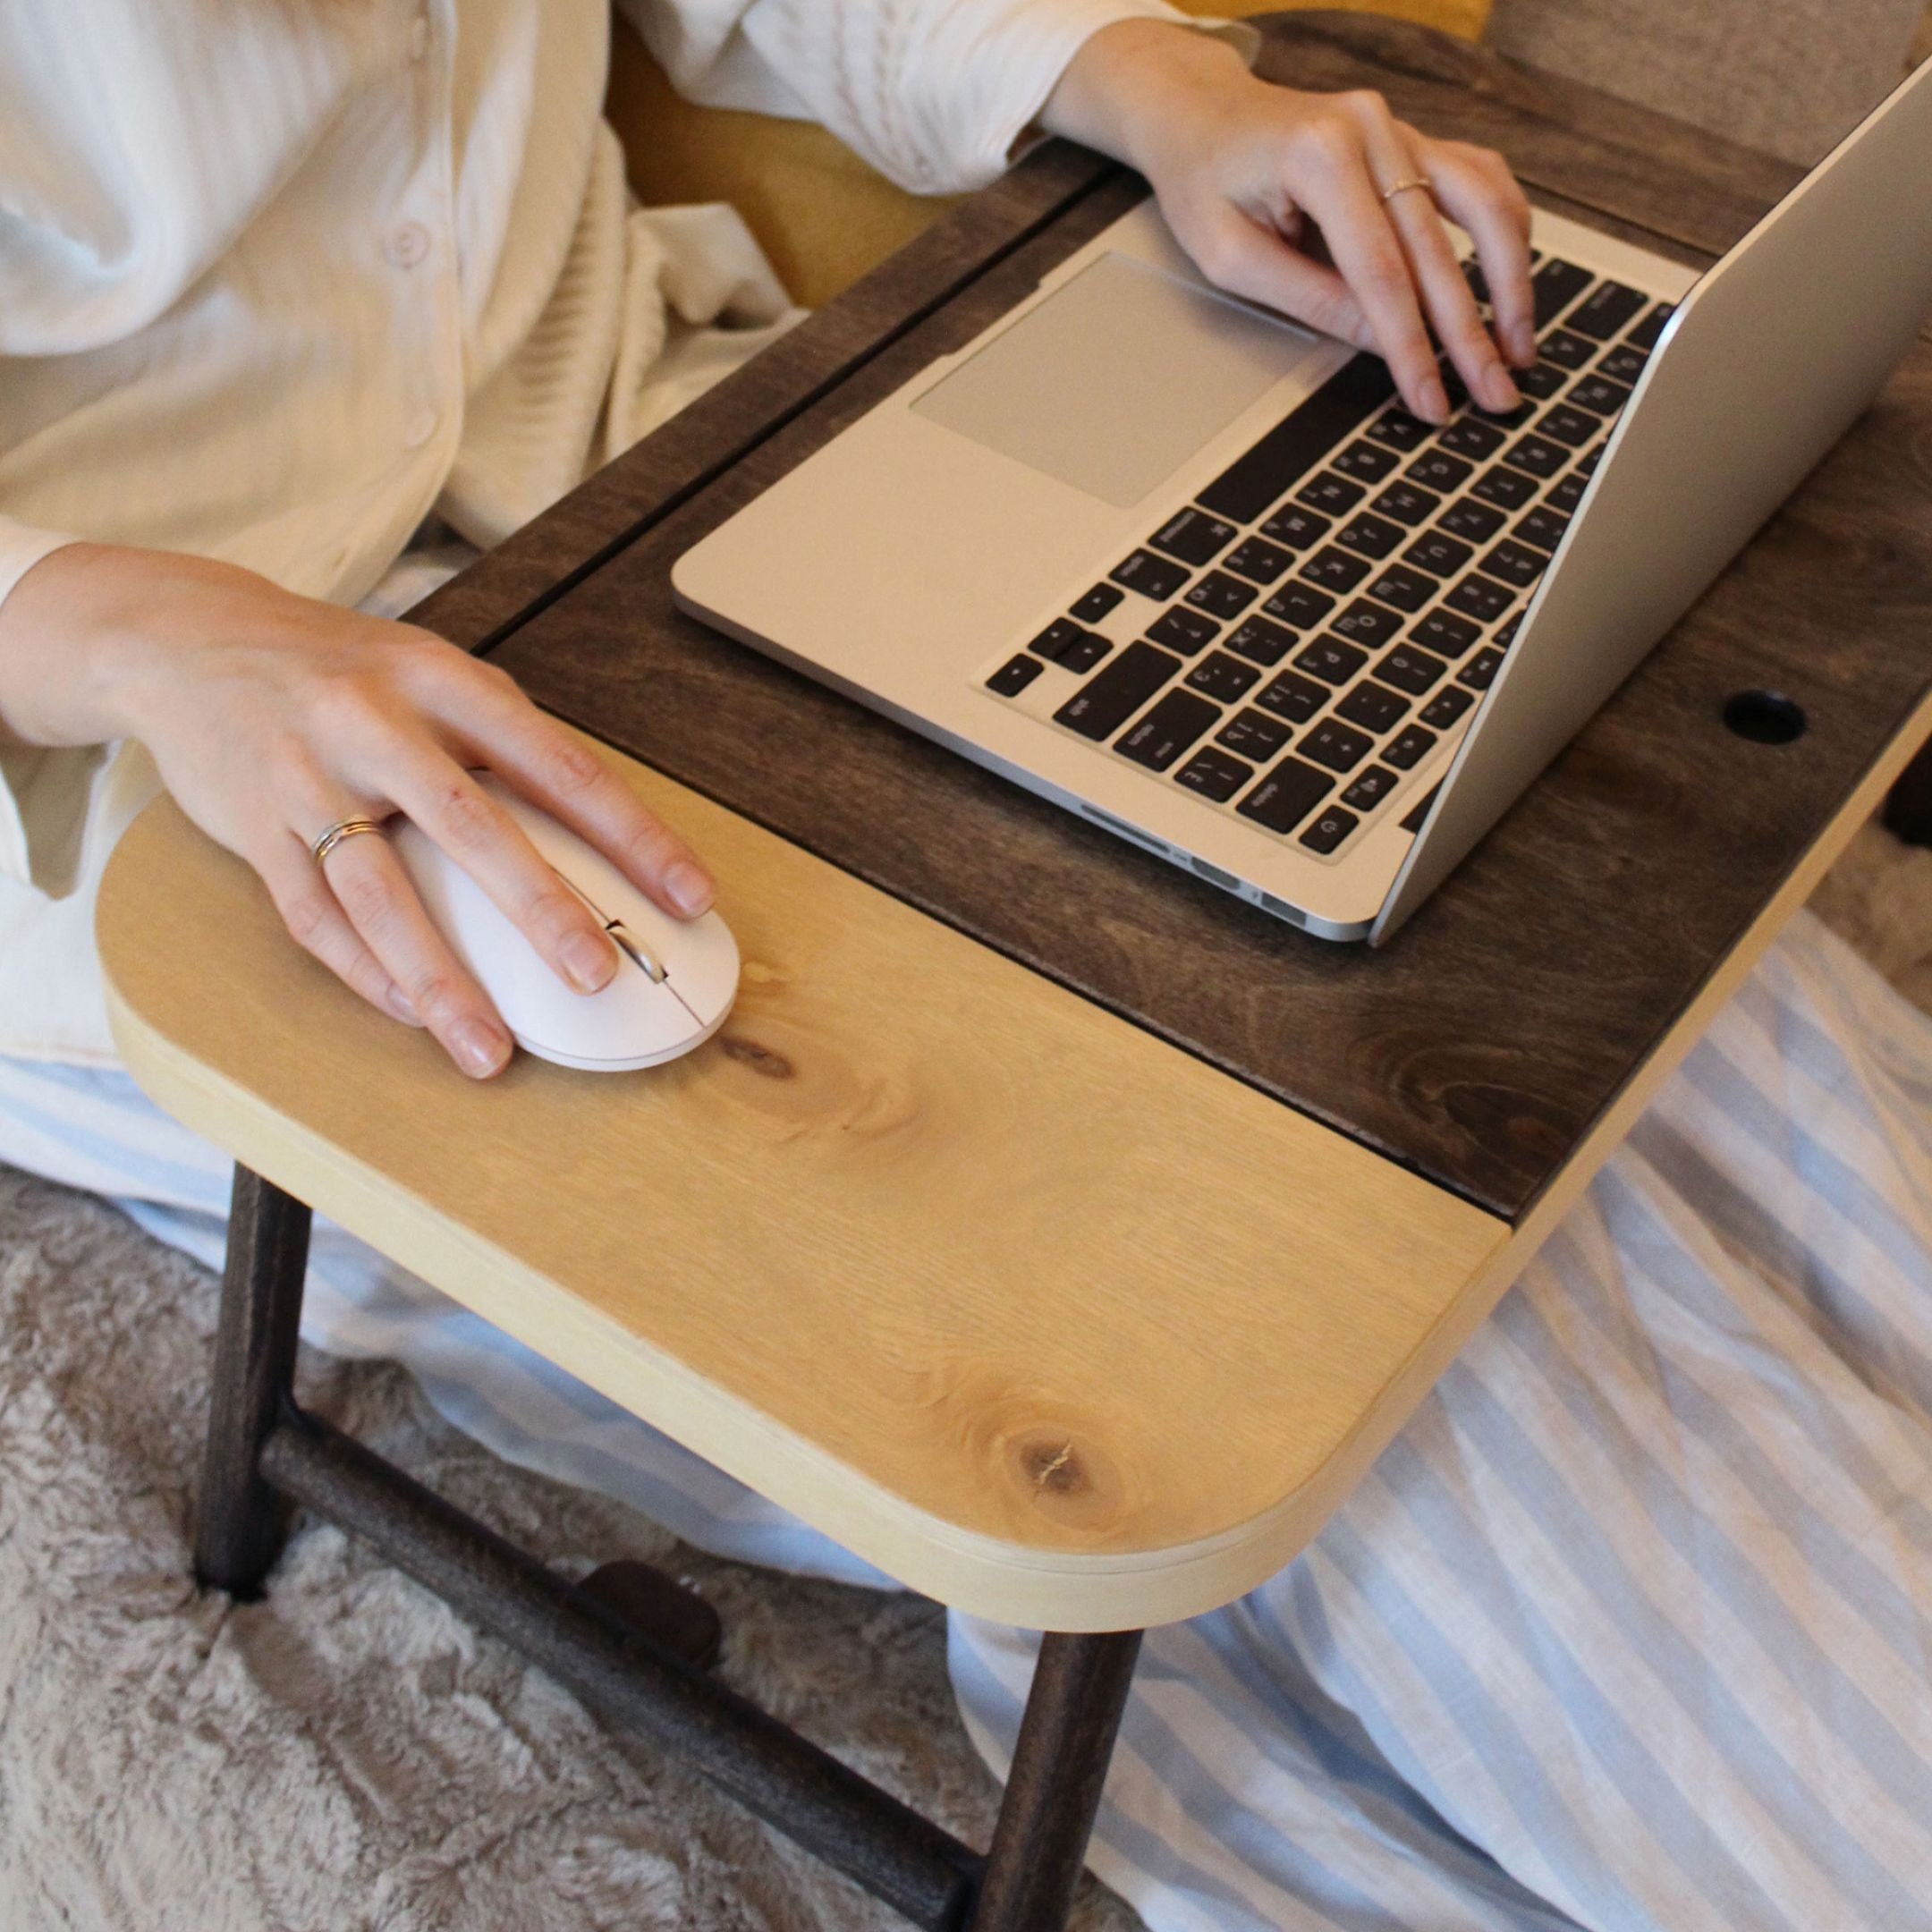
x=1064, y=1478
x=759, y=1059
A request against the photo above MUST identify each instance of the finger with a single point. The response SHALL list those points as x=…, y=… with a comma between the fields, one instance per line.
x=1481, y=195
x=1362, y=239
x=1248, y=260
x=1447, y=300
x=498, y=726
x=376, y=894
x=447, y=804
x=317, y=923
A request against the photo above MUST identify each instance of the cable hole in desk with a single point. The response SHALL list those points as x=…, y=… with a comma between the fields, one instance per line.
x=1765, y=717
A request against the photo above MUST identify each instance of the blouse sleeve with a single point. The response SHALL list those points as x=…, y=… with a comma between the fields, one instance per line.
x=43, y=792
x=933, y=93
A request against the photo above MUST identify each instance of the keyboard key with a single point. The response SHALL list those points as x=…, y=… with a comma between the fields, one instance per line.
x=1410, y=670
x=1084, y=653
x=1183, y=630
x=1214, y=775
x=1332, y=494
x=1373, y=536
x=1478, y=283
x=1438, y=470
x=1555, y=285
x=1440, y=556
x=1400, y=431
x=1598, y=395
x=1102, y=705
x=1328, y=829
x=1507, y=636
x=1055, y=638
x=1603, y=312
x=1097, y=602
x=1586, y=464
x=1542, y=382
x=1406, y=589
x=1333, y=570
x=1014, y=676
x=1366, y=623
x=1515, y=564
x=1475, y=596
x=1300, y=605
x=1193, y=537
x=1543, y=526
x=1413, y=817
x=1407, y=503
x=1505, y=488
x=1300, y=440
x=1221, y=595
x=1256, y=735
x=1478, y=521
x=1152, y=576
x=1445, y=633
x=1336, y=745
x=1566, y=351
x=1445, y=707
x=1537, y=457
x=1471, y=437
x=1644, y=336
x=1295, y=698
x=1374, y=707
x=1370, y=788
x=1479, y=672
x=1226, y=679
x=1168, y=730
x=1624, y=364
x=1569, y=494
x=1567, y=425
x=1286, y=796
x=1410, y=749
x=1366, y=462
x=1260, y=563
x=1329, y=657
x=1261, y=642
x=1295, y=526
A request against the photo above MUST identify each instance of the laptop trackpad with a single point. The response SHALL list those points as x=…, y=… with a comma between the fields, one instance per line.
x=1115, y=380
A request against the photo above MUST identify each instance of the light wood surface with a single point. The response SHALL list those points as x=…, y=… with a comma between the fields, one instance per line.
x=1044, y=1316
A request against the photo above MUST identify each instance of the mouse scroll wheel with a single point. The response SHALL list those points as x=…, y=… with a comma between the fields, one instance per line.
x=634, y=946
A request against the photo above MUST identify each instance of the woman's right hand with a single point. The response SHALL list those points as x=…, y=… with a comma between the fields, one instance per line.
x=272, y=716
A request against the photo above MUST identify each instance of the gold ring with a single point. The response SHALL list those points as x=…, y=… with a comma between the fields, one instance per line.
x=1402, y=187
x=345, y=828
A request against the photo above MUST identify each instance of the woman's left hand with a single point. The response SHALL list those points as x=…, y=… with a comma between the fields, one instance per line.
x=1245, y=171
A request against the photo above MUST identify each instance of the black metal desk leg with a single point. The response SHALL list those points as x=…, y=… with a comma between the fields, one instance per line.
x=1060, y=1762
x=241, y=1521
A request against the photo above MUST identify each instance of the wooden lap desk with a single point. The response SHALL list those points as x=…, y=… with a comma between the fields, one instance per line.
x=1056, y=1232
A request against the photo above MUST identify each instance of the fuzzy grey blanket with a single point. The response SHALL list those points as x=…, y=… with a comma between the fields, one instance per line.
x=348, y=1754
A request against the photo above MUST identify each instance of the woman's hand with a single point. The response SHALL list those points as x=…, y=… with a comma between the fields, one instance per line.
x=272, y=716
x=1242, y=168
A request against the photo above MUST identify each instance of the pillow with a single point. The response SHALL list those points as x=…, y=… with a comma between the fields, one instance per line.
x=821, y=214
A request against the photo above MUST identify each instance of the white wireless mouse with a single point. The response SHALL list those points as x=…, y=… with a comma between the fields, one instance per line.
x=675, y=978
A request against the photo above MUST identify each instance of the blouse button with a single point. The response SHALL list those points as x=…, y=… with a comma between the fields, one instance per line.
x=421, y=427
x=408, y=244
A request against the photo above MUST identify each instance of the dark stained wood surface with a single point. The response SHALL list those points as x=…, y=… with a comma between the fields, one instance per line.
x=1480, y=1046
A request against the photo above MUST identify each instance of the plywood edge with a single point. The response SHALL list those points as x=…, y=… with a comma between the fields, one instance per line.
x=1040, y=1588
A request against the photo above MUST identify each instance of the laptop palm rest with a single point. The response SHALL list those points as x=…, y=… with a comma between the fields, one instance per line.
x=1112, y=384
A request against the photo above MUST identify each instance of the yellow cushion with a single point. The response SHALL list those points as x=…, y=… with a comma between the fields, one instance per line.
x=823, y=215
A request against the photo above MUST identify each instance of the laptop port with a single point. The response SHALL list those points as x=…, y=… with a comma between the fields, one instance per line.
x=1215, y=876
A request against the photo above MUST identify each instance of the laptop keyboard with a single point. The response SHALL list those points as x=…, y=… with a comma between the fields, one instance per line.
x=1332, y=606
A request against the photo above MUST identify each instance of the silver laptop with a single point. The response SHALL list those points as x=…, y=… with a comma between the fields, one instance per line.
x=1191, y=571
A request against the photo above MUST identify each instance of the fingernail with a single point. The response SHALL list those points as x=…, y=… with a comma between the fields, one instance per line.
x=399, y=1002
x=1499, y=393
x=1435, y=400
x=690, y=887
x=589, y=959
x=480, y=1048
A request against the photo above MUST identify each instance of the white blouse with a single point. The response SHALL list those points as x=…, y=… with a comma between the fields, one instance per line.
x=280, y=279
